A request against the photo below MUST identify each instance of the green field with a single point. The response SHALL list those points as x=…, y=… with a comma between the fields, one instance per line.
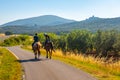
x=10, y=68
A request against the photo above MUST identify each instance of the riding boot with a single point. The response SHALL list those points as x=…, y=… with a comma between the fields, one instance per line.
x=32, y=45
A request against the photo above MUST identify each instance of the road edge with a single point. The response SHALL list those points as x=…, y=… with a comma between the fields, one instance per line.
x=13, y=54
x=23, y=71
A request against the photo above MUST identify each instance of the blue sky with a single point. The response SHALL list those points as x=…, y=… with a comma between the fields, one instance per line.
x=11, y=10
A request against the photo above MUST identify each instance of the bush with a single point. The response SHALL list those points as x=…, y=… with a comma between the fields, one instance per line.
x=17, y=40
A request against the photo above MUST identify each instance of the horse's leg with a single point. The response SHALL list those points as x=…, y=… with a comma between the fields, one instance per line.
x=39, y=54
x=50, y=53
x=46, y=53
x=35, y=54
x=38, y=49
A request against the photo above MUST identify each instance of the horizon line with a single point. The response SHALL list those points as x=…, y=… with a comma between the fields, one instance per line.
x=60, y=17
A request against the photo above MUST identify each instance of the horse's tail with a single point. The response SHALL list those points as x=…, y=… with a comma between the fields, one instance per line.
x=52, y=46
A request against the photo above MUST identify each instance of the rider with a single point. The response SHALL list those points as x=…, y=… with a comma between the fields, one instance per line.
x=47, y=39
x=36, y=39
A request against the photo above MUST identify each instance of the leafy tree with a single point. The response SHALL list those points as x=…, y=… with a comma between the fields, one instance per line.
x=104, y=42
x=62, y=42
x=79, y=40
x=8, y=33
x=116, y=46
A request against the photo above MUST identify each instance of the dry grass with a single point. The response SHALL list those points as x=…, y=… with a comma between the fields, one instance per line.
x=95, y=66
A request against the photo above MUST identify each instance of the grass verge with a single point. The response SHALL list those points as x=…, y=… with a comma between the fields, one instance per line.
x=10, y=68
x=95, y=66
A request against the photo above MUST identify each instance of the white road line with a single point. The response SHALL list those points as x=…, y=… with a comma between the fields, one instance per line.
x=13, y=54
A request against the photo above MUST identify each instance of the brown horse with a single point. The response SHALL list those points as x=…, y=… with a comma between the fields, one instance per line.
x=36, y=49
x=49, y=48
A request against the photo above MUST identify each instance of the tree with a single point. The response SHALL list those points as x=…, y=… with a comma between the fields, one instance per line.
x=79, y=40
x=104, y=42
x=8, y=33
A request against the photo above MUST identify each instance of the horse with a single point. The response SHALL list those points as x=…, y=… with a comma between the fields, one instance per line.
x=36, y=49
x=49, y=48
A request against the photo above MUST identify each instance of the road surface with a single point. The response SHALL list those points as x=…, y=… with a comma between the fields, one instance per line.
x=46, y=69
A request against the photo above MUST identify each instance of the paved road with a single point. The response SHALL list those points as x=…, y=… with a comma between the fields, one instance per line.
x=46, y=69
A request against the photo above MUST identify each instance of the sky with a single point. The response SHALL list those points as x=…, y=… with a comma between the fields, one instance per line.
x=11, y=10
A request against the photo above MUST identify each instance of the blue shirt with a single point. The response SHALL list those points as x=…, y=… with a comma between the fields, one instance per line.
x=36, y=39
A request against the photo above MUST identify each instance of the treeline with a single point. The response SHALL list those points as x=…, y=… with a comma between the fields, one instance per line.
x=78, y=41
x=83, y=41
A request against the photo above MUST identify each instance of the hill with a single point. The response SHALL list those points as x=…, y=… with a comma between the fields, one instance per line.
x=39, y=21
x=92, y=24
x=58, y=25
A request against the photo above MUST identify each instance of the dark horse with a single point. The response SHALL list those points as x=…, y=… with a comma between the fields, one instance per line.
x=49, y=48
x=36, y=49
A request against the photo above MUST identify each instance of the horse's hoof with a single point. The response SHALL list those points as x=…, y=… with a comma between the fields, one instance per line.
x=35, y=58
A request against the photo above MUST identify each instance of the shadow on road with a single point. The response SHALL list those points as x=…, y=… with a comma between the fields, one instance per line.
x=31, y=60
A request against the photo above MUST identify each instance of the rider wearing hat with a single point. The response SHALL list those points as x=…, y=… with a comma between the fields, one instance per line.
x=47, y=39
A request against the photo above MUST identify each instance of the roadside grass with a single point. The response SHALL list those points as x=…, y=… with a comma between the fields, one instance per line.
x=97, y=67
x=10, y=68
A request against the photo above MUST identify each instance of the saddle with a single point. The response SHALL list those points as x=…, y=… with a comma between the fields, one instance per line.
x=37, y=43
x=49, y=44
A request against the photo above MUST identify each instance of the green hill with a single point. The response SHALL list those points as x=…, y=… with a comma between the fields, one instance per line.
x=92, y=24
